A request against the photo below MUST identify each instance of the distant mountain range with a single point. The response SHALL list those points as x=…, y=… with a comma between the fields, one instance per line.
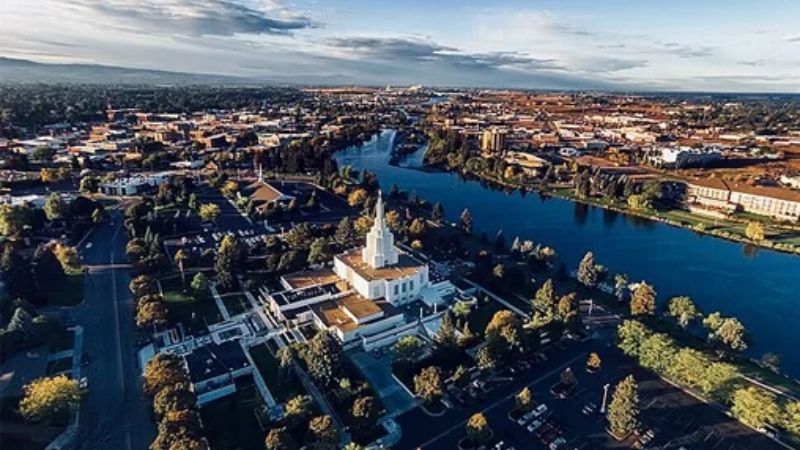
x=24, y=71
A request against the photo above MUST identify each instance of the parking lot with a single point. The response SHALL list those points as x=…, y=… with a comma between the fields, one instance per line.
x=674, y=418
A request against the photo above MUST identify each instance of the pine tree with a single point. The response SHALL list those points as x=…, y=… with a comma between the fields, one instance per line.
x=587, y=271
x=446, y=336
x=623, y=411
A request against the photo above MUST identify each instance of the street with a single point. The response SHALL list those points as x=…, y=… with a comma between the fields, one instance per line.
x=114, y=415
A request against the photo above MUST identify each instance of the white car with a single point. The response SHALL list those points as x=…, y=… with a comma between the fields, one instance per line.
x=534, y=425
x=541, y=409
x=525, y=419
x=555, y=445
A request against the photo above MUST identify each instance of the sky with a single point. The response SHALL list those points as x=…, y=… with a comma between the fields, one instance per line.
x=700, y=45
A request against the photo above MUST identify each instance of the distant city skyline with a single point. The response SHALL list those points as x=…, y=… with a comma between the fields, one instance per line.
x=734, y=46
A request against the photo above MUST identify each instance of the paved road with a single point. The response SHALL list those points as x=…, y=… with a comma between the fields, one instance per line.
x=114, y=415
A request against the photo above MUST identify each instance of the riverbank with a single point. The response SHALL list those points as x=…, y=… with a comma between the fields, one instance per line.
x=784, y=240
x=759, y=287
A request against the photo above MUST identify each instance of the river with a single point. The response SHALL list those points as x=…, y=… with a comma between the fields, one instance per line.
x=760, y=287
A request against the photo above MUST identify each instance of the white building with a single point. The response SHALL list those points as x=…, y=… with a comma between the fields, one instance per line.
x=380, y=270
x=369, y=297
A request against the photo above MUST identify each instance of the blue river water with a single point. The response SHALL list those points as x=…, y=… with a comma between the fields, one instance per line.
x=760, y=287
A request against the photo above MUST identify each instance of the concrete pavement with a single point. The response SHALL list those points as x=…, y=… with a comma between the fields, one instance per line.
x=115, y=414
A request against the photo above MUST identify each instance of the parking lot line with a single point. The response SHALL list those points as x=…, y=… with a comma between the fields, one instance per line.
x=541, y=378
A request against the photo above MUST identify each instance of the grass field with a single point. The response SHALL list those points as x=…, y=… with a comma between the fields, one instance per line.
x=186, y=307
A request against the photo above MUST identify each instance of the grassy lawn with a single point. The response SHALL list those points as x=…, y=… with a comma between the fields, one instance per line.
x=268, y=368
x=186, y=307
x=231, y=422
x=67, y=293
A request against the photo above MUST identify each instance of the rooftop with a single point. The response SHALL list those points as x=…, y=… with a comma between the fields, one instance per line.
x=213, y=360
x=306, y=278
x=406, y=265
x=332, y=313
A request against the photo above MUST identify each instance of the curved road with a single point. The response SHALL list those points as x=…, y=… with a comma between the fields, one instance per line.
x=114, y=415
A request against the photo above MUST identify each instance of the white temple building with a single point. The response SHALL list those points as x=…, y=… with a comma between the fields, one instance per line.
x=381, y=270
x=374, y=294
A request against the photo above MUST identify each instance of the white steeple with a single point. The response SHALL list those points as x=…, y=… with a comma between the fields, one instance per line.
x=379, y=251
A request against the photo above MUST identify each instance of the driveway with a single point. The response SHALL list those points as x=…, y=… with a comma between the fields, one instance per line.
x=378, y=372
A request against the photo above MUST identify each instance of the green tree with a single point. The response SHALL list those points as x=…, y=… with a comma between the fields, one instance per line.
x=478, y=430
x=14, y=218
x=406, y=348
x=791, y=417
x=199, y=284
x=726, y=331
x=323, y=358
x=428, y=384
x=322, y=434
x=568, y=308
x=623, y=411
x=345, y=231
x=630, y=335
x=48, y=397
x=446, y=337
x=587, y=271
x=755, y=407
x=142, y=285
x=656, y=352
x=55, y=207
x=228, y=262
x=319, y=252
x=643, y=300
x=683, y=310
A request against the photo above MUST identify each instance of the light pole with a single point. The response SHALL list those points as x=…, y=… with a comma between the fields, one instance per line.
x=605, y=397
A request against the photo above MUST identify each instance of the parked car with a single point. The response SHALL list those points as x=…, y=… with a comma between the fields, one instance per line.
x=541, y=409
x=534, y=426
x=558, y=443
x=589, y=408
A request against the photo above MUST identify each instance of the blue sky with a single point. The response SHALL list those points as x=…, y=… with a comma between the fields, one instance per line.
x=619, y=44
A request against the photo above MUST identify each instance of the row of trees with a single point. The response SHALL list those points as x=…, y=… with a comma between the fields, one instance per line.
x=713, y=378
x=166, y=380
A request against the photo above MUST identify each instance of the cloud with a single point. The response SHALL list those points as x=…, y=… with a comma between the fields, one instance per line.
x=199, y=17
x=792, y=38
x=409, y=49
x=683, y=50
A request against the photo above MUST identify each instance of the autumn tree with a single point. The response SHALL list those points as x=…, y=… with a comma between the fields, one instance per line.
x=478, y=430
x=279, y=438
x=683, y=310
x=643, y=300
x=524, y=399
x=322, y=434
x=587, y=271
x=164, y=369
x=623, y=411
x=48, y=397
x=466, y=221
x=209, y=212
x=755, y=407
x=755, y=231
x=428, y=384
x=506, y=325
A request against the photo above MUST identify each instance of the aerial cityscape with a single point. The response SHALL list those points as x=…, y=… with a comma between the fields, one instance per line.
x=524, y=225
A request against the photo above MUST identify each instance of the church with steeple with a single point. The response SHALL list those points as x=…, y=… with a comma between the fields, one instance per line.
x=374, y=294
x=379, y=269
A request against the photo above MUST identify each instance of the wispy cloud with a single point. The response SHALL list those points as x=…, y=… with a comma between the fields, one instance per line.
x=199, y=17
